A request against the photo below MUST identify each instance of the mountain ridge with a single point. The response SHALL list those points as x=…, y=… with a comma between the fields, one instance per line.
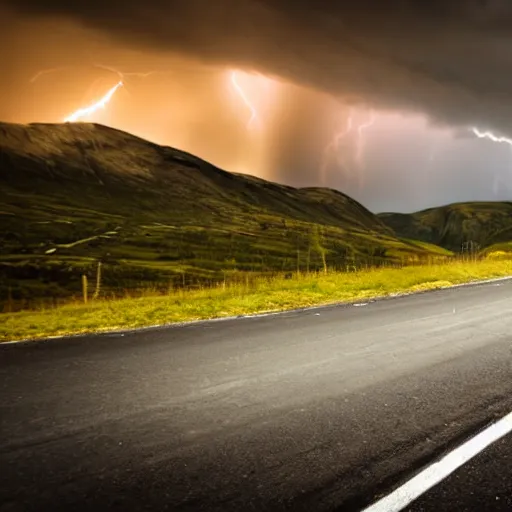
x=451, y=226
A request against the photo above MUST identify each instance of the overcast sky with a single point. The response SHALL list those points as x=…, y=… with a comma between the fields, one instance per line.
x=416, y=76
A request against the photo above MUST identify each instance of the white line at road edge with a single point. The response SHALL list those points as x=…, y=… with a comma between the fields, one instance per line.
x=438, y=471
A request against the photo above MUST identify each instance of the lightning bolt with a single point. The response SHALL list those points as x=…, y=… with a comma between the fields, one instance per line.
x=101, y=103
x=333, y=147
x=360, y=148
x=357, y=156
x=244, y=98
x=489, y=135
x=39, y=74
x=341, y=135
x=360, y=139
x=494, y=138
x=121, y=74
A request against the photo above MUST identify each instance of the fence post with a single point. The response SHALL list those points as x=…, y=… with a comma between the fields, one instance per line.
x=84, y=288
x=98, y=281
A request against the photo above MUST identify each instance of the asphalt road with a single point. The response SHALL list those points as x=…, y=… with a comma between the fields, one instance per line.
x=483, y=483
x=325, y=409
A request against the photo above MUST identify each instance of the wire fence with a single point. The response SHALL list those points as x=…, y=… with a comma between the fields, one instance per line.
x=106, y=282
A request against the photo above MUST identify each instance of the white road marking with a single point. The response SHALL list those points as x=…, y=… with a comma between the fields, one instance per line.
x=438, y=471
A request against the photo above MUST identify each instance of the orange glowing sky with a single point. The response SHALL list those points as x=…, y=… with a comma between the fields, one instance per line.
x=249, y=118
x=242, y=120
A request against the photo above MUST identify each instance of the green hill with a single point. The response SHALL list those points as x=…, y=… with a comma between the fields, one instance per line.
x=76, y=194
x=455, y=225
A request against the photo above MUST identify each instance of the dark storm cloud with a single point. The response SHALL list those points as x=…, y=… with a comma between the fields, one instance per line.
x=450, y=59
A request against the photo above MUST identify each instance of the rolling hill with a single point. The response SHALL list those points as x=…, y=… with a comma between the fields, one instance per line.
x=76, y=194
x=454, y=226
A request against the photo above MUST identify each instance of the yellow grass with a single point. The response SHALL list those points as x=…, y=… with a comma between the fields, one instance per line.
x=498, y=255
x=239, y=299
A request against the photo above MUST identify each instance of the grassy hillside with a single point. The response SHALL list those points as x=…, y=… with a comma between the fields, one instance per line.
x=76, y=194
x=453, y=226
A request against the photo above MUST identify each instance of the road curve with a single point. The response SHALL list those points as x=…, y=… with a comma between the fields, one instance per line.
x=326, y=409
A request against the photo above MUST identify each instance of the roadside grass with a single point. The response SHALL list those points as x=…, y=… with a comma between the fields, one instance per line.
x=257, y=296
